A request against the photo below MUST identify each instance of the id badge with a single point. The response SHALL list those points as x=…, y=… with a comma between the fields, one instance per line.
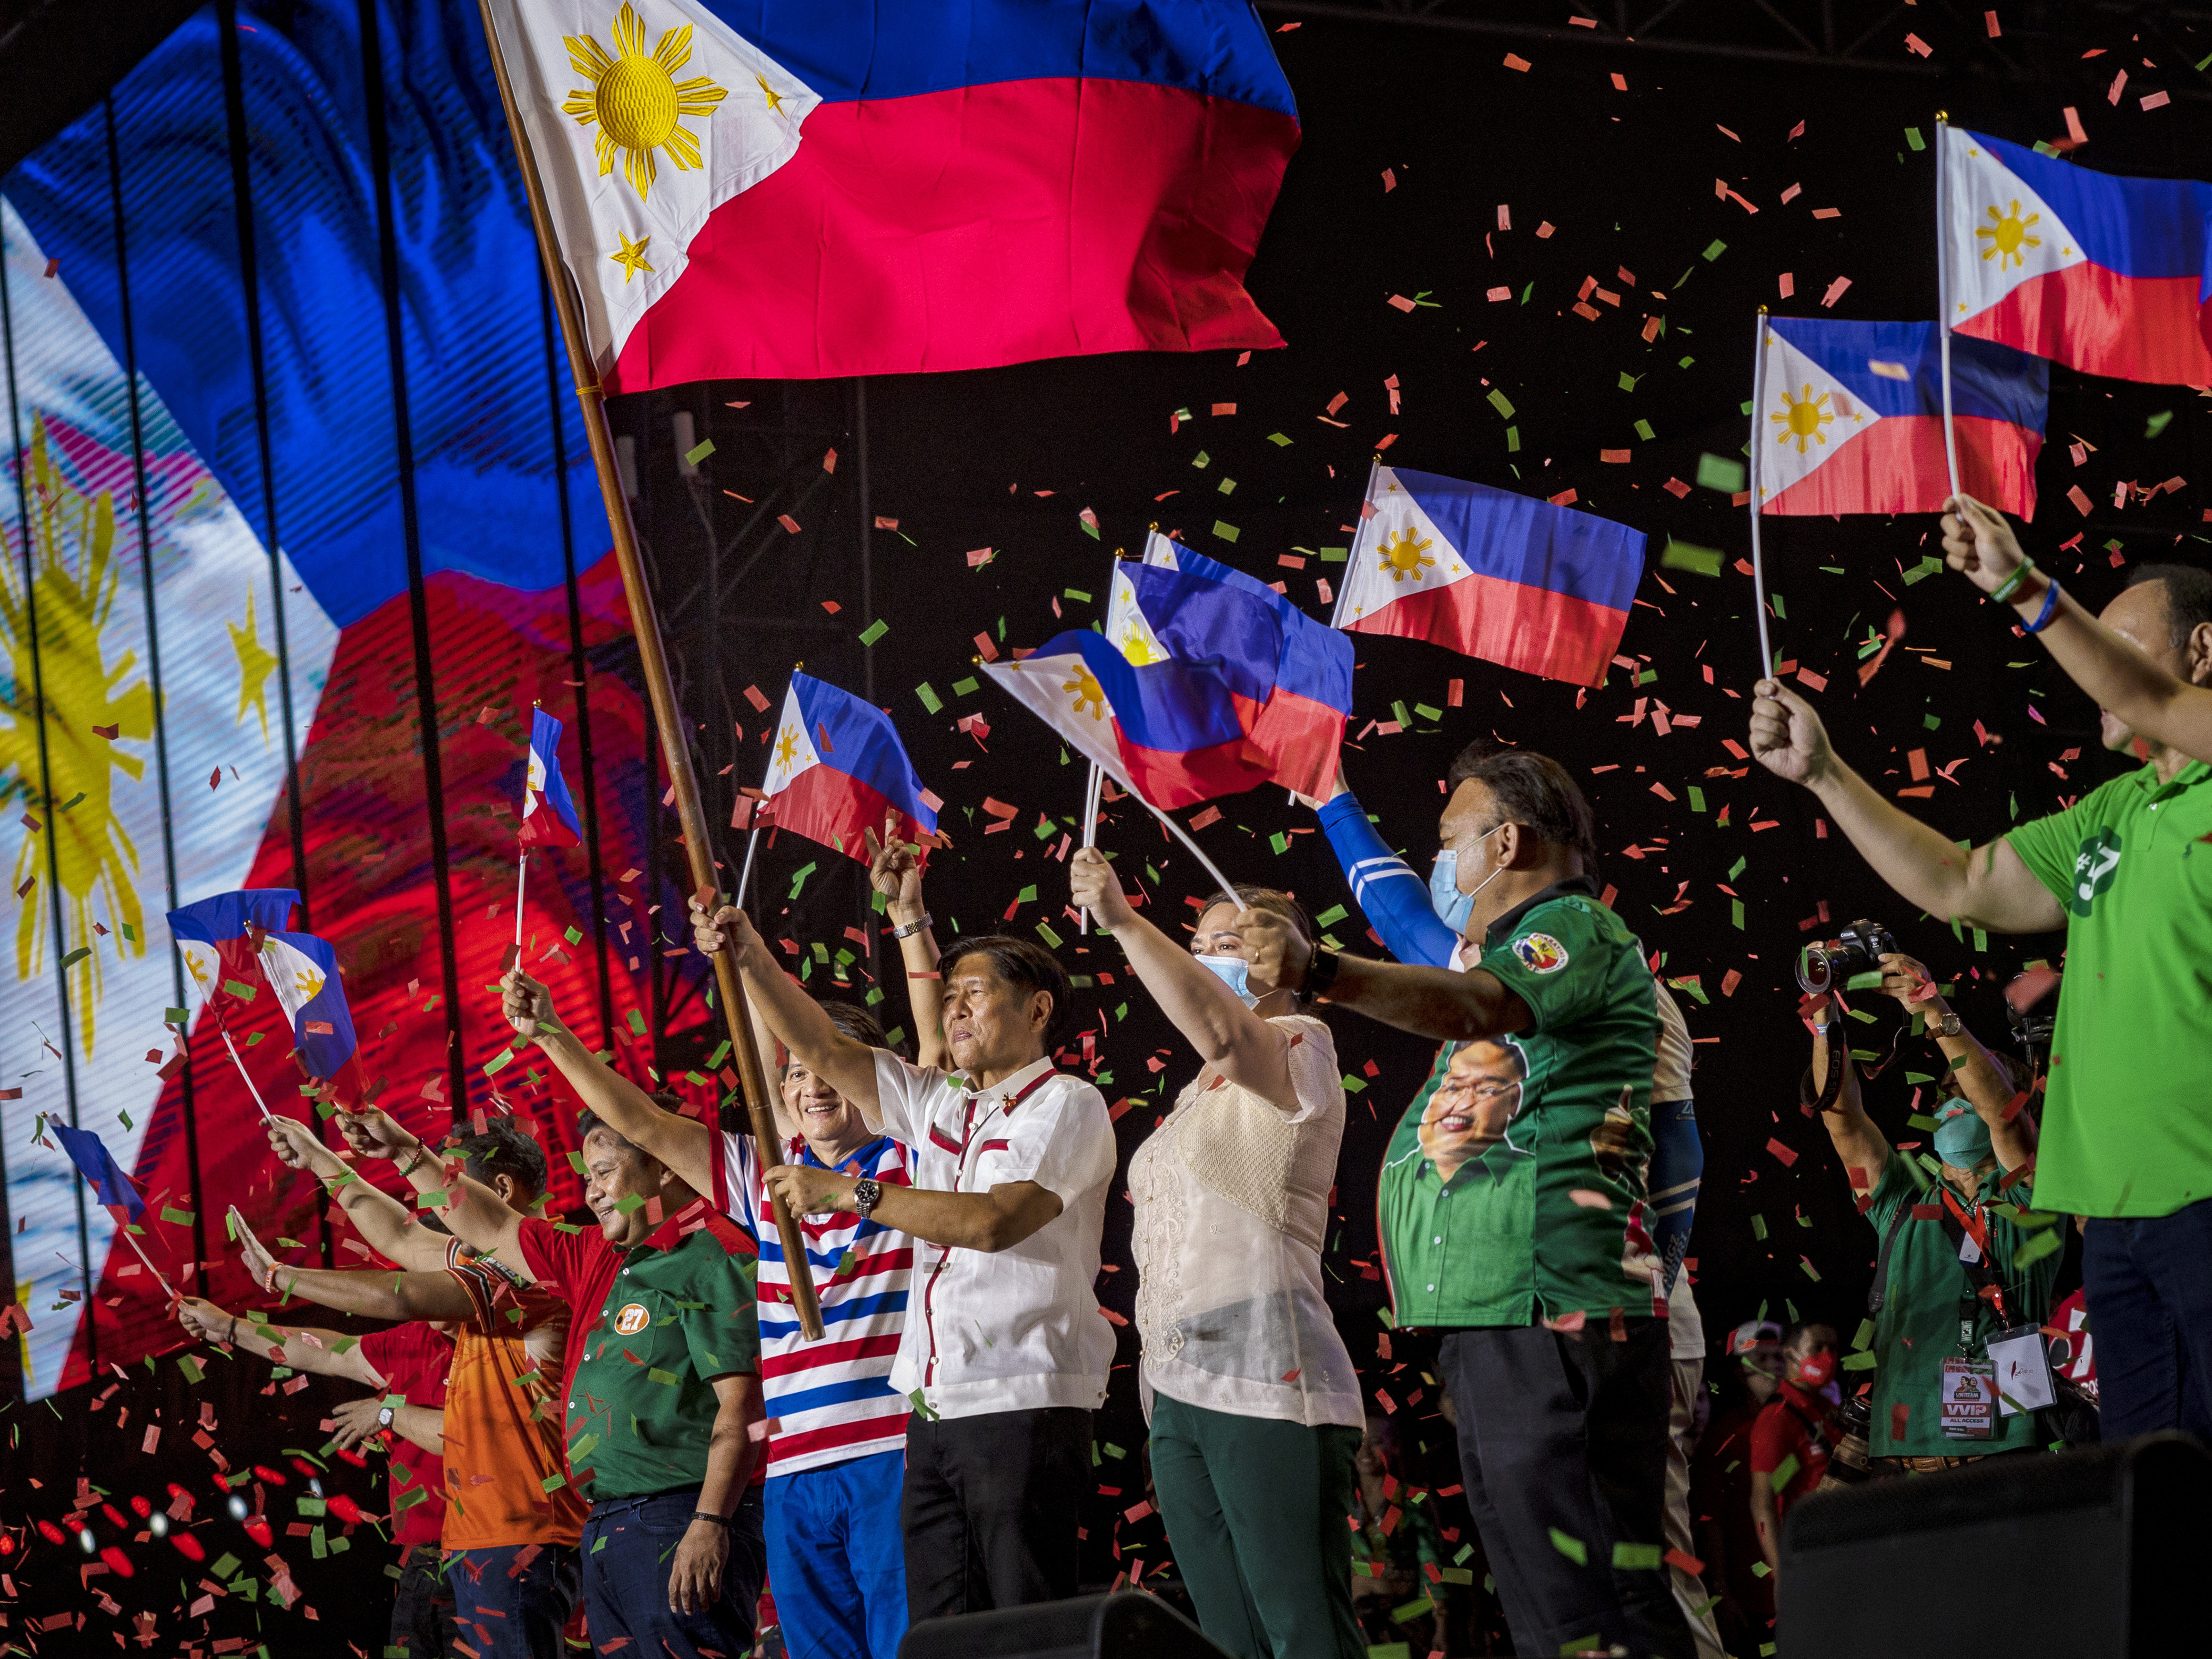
x=2023, y=1368
x=1970, y=1398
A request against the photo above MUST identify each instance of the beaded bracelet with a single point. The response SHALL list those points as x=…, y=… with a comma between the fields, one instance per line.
x=2050, y=609
x=2005, y=589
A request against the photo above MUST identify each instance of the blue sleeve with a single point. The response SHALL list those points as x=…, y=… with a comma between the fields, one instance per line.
x=1678, y=1164
x=1383, y=885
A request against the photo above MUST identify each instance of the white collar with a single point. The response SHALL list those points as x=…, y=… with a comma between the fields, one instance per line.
x=999, y=1092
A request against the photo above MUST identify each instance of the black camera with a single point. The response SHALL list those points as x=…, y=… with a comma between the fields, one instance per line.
x=1858, y=949
x=2032, y=1023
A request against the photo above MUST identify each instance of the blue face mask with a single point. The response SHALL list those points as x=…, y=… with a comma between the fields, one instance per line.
x=1962, y=1140
x=1236, y=974
x=1453, y=907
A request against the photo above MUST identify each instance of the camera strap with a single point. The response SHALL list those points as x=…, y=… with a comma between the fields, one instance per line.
x=1878, y=1292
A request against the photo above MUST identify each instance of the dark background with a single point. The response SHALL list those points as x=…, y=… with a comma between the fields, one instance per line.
x=960, y=462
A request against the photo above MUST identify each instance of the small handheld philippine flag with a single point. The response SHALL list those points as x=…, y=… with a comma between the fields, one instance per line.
x=837, y=768
x=549, y=817
x=110, y=1184
x=1488, y=574
x=219, y=936
x=302, y=969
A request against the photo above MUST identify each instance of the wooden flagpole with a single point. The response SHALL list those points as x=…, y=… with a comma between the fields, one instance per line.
x=645, y=622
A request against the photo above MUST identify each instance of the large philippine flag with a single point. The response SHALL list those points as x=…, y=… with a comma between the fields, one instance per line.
x=1169, y=730
x=2108, y=275
x=1492, y=574
x=844, y=187
x=1298, y=719
x=1849, y=417
x=838, y=769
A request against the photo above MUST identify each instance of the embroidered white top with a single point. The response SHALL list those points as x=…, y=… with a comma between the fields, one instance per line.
x=1231, y=1196
x=1019, y=1329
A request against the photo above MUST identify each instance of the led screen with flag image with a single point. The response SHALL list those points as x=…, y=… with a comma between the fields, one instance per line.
x=837, y=770
x=549, y=816
x=841, y=188
x=1850, y=418
x=2108, y=275
x=1492, y=574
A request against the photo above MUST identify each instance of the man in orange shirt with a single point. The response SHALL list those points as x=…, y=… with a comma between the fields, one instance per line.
x=512, y=1522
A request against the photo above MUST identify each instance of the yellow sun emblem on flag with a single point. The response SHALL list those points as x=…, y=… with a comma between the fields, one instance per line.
x=1406, y=554
x=787, y=748
x=307, y=980
x=1137, y=645
x=1802, y=417
x=1086, y=689
x=635, y=99
x=90, y=707
x=2009, y=235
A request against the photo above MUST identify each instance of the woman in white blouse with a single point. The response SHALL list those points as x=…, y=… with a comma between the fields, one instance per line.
x=1254, y=1403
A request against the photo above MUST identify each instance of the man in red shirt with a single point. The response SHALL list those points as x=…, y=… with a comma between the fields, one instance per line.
x=1794, y=1434
x=406, y=1365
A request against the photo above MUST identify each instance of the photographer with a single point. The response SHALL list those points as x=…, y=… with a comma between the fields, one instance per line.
x=1945, y=1280
x=2127, y=1144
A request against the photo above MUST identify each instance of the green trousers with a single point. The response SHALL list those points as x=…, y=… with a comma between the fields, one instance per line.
x=1255, y=1513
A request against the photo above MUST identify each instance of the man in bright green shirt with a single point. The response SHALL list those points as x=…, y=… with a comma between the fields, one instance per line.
x=1511, y=1205
x=2127, y=1130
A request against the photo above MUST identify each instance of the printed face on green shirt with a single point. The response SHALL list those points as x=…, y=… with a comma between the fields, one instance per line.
x=1478, y=1096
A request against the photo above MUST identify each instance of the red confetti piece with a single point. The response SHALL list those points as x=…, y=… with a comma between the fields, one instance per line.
x=1782, y=1152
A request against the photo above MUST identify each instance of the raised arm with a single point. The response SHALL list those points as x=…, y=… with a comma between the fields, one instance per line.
x=1979, y=1080
x=1989, y=887
x=382, y=1220
x=368, y=1291
x=1383, y=885
x=894, y=870
x=795, y=1017
x=1862, y=1148
x=1430, y=1002
x=1250, y=1051
x=326, y=1354
x=478, y=1217
x=684, y=1144
x=2114, y=671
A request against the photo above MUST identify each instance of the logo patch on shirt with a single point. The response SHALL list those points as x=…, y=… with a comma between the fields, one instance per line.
x=632, y=1318
x=2095, y=867
x=1540, y=953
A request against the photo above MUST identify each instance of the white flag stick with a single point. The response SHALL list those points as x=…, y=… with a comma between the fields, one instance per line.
x=745, y=875
x=1943, y=286
x=521, y=878
x=1758, y=567
x=130, y=1238
x=237, y=1062
x=1091, y=786
x=1359, y=539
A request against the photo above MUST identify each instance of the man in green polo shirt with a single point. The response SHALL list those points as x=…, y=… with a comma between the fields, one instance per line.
x=2127, y=1128
x=1511, y=1206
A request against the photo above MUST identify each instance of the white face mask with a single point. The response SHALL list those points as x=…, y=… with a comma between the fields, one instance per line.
x=1236, y=973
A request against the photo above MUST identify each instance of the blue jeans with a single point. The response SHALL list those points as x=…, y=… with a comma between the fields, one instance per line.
x=422, y=1610
x=2149, y=1288
x=513, y=1615
x=629, y=1552
x=836, y=1558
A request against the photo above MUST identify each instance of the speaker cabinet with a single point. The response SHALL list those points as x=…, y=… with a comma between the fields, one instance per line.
x=2091, y=1554
x=1130, y=1624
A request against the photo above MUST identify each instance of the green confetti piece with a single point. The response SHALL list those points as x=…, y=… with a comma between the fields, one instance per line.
x=177, y=1218
x=1201, y=459
x=77, y=955
x=1411, y=1610
x=625, y=1204
x=1737, y=868
x=654, y=1374
x=1638, y=1557
x=1735, y=914
x=1759, y=1226
x=1913, y=137
x=1859, y=1362
x=1714, y=252
x=1572, y=1547
x=876, y=630
x=1427, y=713
x=1279, y=440
x=1513, y=441
x=798, y=878
x=1869, y=981
x=1335, y=555
x=1628, y=381
x=1720, y=472
x=699, y=451
x=225, y=1565
x=2037, y=1248
x=961, y=687
x=574, y=935
x=174, y=1017
x=1688, y=556
x=191, y=1367
x=1051, y=939
x=1335, y=914
x=1228, y=532
x=244, y=992
x=1397, y=714
x=1501, y=403
x=1354, y=1085
x=1644, y=431
x=920, y=1403
x=504, y=1058
x=930, y=700
x=1785, y=1472
x=2158, y=423
x=1697, y=799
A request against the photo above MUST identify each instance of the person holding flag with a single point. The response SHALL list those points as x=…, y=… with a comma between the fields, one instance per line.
x=2127, y=1147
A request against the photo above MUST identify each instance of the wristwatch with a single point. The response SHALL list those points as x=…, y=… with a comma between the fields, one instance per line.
x=1321, y=974
x=1950, y=1025
x=384, y=1416
x=908, y=929
x=866, y=1194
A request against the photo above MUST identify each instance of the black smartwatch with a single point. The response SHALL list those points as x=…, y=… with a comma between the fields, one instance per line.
x=1321, y=974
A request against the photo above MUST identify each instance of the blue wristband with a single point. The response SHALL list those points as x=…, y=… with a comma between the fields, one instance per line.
x=2050, y=607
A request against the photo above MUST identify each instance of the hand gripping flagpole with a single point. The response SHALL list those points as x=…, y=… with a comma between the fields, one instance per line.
x=1943, y=285
x=1758, y=568
x=645, y=623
